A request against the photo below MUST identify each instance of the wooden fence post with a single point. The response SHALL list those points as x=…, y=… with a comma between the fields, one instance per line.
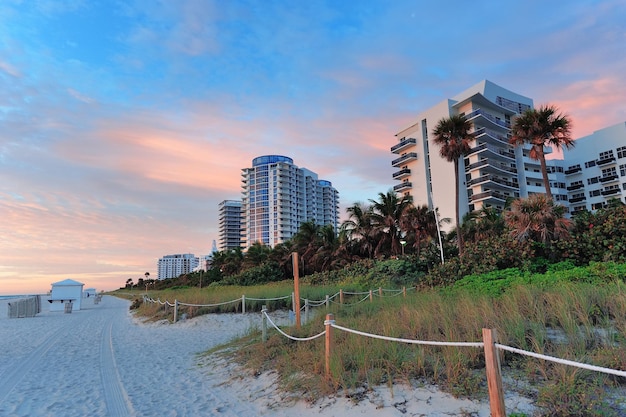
x=296, y=288
x=404, y=292
x=494, y=376
x=306, y=310
x=380, y=292
x=330, y=319
x=340, y=296
x=243, y=304
x=371, y=296
x=175, y=310
x=264, y=322
x=327, y=301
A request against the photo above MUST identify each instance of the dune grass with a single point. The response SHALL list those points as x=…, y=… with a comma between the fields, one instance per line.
x=575, y=321
x=580, y=321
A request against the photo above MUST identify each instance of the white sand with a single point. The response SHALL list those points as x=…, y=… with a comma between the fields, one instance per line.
x=100, y=361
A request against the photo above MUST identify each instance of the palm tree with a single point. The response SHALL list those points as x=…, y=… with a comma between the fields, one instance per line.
x=256, y=255
x=537, y=218
x=539, y=128
x=358, y=228
x=385, y=216
x=419, y=224
x=454, y=137
x=482, y=224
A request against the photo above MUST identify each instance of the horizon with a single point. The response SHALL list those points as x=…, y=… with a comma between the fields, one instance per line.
x=124, y=125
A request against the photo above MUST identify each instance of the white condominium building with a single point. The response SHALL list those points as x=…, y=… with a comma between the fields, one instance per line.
x=595, y=169
x=277, y=197
x=172, y=266
x=229, y=224
x=493, y=171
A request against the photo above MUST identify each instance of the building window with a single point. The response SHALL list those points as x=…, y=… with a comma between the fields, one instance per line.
x=608, y=172
x=594, y=193
x=606, y=155
x=622, y=170
x=590, y=164
x=621, y=152
x=597, y=206
x=593, y=180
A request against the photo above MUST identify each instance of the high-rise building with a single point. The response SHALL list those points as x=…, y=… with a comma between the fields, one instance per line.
x=230, y=224
x=172, y=266
x=595, y=169
x=277, y=197
x=493, y=171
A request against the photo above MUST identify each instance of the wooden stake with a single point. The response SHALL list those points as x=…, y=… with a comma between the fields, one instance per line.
x=296, y=288
x=494, y=376
x=330, y=319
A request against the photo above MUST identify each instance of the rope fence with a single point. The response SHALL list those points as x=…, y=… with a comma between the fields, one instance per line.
x=492, y=356
x=367, y=295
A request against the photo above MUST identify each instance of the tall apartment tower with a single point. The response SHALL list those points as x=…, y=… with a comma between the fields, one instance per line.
x=595, y=169
x=493, y=171
x=172, y=266
x=277, y=197
x=229, y=224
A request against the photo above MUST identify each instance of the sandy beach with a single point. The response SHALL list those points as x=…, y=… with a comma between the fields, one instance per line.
x=102, y=361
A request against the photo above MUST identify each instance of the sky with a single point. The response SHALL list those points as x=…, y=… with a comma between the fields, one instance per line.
x=123, y=124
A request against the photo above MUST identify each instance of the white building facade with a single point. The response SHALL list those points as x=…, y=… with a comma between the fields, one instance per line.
x=172, y=266
x=494, y=170
x=229, y=218
x=277, y=197
x=595, y=169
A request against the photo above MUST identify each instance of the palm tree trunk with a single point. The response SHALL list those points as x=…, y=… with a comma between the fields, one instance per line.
x=458, y=223
x=544, y=171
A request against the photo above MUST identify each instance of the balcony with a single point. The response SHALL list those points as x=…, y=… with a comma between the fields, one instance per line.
x=573, y=170
x=403, y=173
x=577, y=199
x=605, y=161
x=575, y=187
x=411, y=156
x=495, y=121
x=488, y=195
x=492, y=179
x=484, y=133
x=495, y=151
x=488, y=165
x=405, y=144
x=608, y=178
x=402, y=186
x=610, y=191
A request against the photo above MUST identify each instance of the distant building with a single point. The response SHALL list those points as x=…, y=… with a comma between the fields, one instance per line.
x=229, y=218
x=172, y=266
x=277, y=197
x=493, y=172
x=591, y=173
x=595, y=169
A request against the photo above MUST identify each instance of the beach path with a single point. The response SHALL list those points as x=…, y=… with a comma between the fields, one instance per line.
x=100, y=361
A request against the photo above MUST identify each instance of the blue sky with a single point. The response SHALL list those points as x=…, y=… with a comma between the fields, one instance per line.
x=123, y=124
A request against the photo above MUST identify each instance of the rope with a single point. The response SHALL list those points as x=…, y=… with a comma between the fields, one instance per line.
x=268, y=299
x=299, y=339
x=415, y=342
x=562, y=361
x=209, y=305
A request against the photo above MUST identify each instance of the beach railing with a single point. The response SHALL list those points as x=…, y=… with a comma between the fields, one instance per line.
x=25, y=307
x=489, y=344
x=361, y=297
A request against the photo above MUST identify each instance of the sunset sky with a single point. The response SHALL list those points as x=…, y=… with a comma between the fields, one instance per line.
x=123, y=124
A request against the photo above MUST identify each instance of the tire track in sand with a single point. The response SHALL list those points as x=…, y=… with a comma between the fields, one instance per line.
x=117, y=402
x=16, y=372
